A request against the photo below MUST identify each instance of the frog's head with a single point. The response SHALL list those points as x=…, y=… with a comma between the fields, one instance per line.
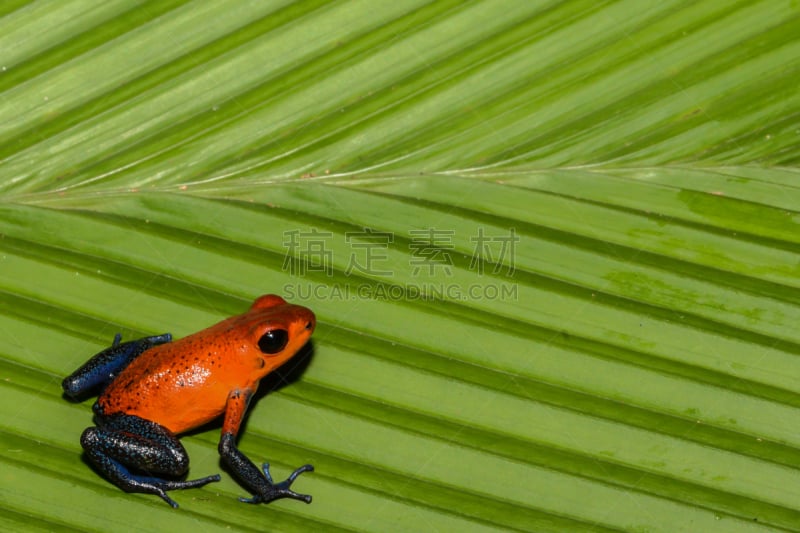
x=279, y=329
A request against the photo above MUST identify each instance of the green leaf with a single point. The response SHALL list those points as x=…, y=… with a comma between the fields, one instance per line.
x=552, y=248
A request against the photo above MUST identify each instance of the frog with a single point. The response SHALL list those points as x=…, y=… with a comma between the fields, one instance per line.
x=153, y=389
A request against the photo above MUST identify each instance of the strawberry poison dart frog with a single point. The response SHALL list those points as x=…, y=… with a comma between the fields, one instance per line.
x=154, y=389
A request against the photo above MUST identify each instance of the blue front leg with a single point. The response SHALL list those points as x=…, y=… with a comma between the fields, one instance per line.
x=101, y=368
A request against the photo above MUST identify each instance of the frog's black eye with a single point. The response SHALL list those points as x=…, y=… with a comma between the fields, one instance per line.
x=273, y=341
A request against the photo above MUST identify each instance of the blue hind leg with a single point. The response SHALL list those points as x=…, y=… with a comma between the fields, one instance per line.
x=123, y=442
x=101, y=368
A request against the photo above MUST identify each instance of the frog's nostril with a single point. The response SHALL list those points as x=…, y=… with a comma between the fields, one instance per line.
x=309, y=325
